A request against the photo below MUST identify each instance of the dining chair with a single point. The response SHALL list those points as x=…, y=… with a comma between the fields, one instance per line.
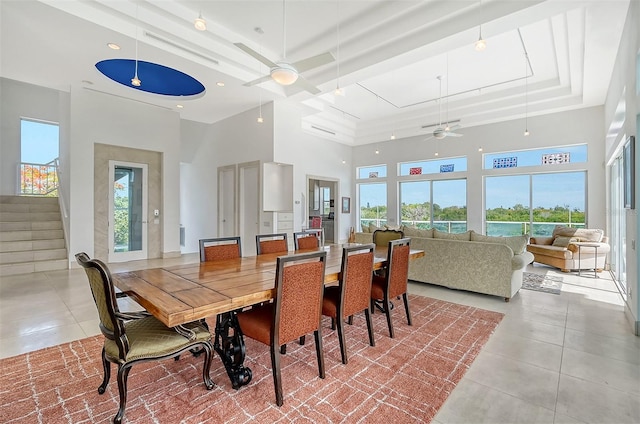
x=319, y=232
x=295, y=311
x=305, y=240
x=353, y=292
x=215, y=249
x=271, y=243
x=382, y=237
x=132, y=338
x=394, y=281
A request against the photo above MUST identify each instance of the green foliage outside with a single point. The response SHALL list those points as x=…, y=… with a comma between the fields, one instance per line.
x=121, y=221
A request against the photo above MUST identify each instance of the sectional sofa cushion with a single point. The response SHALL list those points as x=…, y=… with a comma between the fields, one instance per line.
x=516, y=243
x=582, y=234
x=410, y=231
x=466, y=236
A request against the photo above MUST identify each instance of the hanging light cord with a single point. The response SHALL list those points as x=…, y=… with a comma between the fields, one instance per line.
x=338, y=47
x=526, y=93
x=284, y=30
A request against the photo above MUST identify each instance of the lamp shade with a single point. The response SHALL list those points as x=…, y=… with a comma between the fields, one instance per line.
x=284, y=74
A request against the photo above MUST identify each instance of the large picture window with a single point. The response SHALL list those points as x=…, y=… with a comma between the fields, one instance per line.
x=437, y=204
x=534, y=204
x=372, y=199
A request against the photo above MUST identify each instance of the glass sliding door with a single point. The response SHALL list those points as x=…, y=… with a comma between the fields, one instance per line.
x=557, y=199
x=127, y=211
x=415, y=203
x=450, y=205
x=507, y=205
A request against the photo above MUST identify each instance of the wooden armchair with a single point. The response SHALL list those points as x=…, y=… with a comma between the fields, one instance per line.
x=295, y=312
x=132, y=338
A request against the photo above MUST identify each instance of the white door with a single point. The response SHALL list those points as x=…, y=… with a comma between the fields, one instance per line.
x=249, y=206
x=127, y=211
x=227, y=201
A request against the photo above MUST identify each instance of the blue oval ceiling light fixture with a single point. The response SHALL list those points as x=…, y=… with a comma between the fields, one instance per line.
x=158, y=79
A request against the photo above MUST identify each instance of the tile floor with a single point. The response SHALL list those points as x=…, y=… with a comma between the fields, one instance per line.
x=568, y=358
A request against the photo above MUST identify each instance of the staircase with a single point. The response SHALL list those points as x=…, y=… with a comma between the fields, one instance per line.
x=31, y=236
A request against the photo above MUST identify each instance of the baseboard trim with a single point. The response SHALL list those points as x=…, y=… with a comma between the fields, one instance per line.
x=633, y=321
x=174, y=254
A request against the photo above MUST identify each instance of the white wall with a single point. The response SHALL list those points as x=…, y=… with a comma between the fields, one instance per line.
x=231, y=141
x=626, y=75
x=581, y=126
x=99, y=118
x=311, y=156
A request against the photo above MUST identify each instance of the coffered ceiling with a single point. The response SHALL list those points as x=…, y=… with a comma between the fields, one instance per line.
x=404, y=65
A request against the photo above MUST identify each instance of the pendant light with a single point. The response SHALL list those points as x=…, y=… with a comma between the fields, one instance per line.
x=481, y=44
x=338, y=91
x=135, y=81
x=526, y=94
x=199, y=23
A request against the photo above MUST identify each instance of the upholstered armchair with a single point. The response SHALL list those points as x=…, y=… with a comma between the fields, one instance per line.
x=571, y=249
x=132, y=338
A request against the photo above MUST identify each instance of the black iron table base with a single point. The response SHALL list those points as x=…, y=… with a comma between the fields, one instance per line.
x=229, y=344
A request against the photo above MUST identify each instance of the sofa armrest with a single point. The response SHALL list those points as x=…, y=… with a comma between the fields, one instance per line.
x=545, y=241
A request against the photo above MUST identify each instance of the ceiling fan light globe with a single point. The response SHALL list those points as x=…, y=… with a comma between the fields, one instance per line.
x=284, y=74
x=200, y=24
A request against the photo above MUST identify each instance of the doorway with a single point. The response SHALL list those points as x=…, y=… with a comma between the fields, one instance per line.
x=323, y=202
x=249, y=209
x=128, y=200
x=227, y=201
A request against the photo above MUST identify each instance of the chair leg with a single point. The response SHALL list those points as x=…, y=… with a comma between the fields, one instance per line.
x=206, y=368
x=350, y=321
x=123, y=374
x=333, y=323
x=406, y=307
x=343, y=347
x=283, y=349
x=302, y=340
x=318, y=336
x=106, y=365
x=387, y=311
x=277, y=379
x=367, y=315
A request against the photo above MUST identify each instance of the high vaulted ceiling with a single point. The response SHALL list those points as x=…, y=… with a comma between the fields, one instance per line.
x=404, y=65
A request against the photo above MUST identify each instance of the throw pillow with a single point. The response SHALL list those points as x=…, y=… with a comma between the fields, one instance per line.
x=417, y=232
x=372, y=227
x=562, y=241
x=466, y=236
x=365, y=229
x=515, y=243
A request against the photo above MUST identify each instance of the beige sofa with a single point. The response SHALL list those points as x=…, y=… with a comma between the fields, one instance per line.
x=466, y=261
x=571, y=248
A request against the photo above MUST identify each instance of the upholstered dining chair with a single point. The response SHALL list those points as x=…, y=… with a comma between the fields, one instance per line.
x=305, y=240
x=271, y=243
x=215, y=249
x=295, y=311
x=319, y=232
x=382, y=237
x=394, y=282
x=133, y=338
x=353, y=292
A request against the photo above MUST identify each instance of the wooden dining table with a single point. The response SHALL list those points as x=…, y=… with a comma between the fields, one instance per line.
x=180, y=294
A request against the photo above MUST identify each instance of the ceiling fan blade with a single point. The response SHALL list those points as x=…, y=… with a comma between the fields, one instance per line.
x=258, y=81
x=313, y=62
x=452, y=134
x=306, y=85
x=255, y=54
x=453, y=127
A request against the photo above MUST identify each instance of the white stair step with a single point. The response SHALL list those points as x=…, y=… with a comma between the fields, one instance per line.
x=27, y=226
x=32, y=255
x=35, y=266
x=28, y=199
x=30, y=235
x=21, y=246
x=29, y=207
x=29, y=216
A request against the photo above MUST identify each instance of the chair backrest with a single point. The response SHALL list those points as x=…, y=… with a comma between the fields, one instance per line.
x=305, y=240
x=104, y=296
x=216, y=249
x=383, y=237
x=298, y=300
x=355, y=278
x=271, y=243
x=319, y=232
x=398, y=266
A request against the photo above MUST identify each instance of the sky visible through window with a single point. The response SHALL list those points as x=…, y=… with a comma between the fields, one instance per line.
x=39, y=141
x=510, y=191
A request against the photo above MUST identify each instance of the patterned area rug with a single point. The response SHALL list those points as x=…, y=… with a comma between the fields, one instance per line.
x=542, y=283
x=400, y=380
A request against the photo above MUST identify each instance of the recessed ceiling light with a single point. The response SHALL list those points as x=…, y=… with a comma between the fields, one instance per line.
x=179, y=106
x=113, y=46
x=377, y=152
x=220, y=84
x=344, y=161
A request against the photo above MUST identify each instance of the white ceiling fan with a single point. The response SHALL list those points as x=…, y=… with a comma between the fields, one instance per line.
x=284, y=72
x=443, y=131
